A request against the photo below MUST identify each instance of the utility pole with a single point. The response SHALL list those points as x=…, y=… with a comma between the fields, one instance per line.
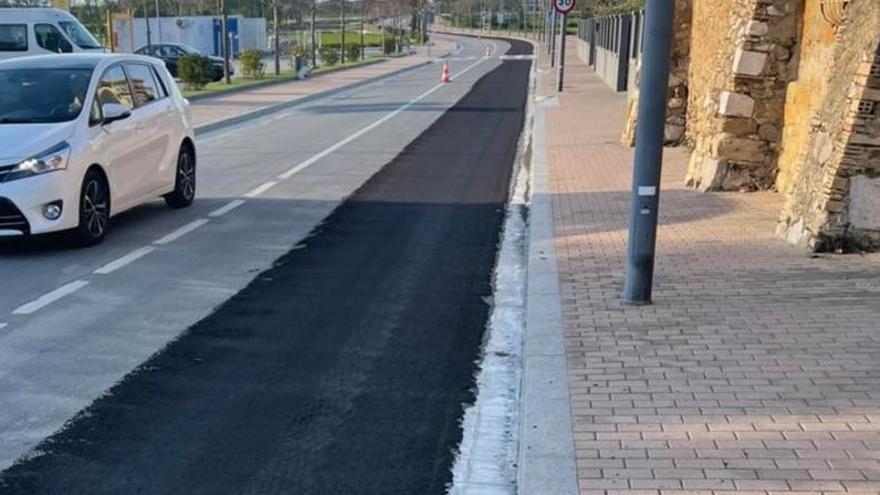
x=562, y=52
x=314, y=44
x=552, y=42
x=276, y=42
x=363, y=14
x=342, y=40
x=147, y=21
x=224, y=19
x=649, y=153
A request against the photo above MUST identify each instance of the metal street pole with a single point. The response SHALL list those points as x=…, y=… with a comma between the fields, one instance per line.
x=342, y=40
x=314, y=43
x=363, y=13
x=649, y=153
x=562, y=53
x=147, y=21
x=224, y=19
x=277, y=33
x=553, y=23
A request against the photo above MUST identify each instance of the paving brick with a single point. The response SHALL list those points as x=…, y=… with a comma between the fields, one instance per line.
x=755, y=369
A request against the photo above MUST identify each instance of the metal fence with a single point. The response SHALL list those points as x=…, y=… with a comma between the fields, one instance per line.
x=612, y=47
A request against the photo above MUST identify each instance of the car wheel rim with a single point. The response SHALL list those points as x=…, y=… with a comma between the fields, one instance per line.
x=95, y=208
x=186, y=175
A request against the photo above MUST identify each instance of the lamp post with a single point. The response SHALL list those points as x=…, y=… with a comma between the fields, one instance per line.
x=224, y=19
x=342, y=21
x=648, y=162
x=314, y=44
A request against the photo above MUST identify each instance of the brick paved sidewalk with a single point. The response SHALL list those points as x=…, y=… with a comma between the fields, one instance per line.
x=217, y=108
x=757, y=370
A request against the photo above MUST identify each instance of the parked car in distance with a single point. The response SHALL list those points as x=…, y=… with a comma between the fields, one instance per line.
x=40, y=31
x=170, y=53
x=84, y=137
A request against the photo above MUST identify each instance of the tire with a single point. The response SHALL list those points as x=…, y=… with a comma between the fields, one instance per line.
x=94, y=210
x=184, y=180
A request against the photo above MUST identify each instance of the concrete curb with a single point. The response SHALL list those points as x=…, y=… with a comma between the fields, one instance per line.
x=262, y=112
x=547, y=456
x=273, y=82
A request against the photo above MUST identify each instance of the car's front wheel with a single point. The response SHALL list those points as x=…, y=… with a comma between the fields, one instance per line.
x=94, y=210
x=185, y=181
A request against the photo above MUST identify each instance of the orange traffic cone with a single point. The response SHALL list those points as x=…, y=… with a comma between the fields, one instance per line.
x=444, y=76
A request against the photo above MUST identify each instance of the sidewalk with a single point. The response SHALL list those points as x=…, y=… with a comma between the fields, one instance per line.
x=210, y=110
x=755, y=371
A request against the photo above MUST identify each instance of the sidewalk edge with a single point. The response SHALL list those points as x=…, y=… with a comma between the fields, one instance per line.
x=262, y=112
x=547, y=455
x=283, y=80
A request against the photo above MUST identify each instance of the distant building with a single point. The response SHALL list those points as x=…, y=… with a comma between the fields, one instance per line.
x=201, y=32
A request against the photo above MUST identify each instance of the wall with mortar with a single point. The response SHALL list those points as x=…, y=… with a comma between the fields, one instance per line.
x=742, y=55
x=832, y=167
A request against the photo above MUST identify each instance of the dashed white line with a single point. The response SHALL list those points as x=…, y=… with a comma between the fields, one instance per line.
x=186, y=229
x=50, y=297
x=311, y=161
x=124, y=260
x=219, y=212
x=261, y=189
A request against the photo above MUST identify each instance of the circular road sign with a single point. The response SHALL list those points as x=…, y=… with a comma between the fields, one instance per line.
x=563, y=6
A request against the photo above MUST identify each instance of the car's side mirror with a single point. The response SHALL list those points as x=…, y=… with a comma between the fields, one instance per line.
x=113, y=112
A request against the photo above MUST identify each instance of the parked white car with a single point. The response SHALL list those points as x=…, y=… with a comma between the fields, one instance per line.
x=36, y=31
x=85, y=137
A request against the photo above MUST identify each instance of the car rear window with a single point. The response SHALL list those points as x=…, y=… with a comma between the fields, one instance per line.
x=143, y=83
x=13, y=38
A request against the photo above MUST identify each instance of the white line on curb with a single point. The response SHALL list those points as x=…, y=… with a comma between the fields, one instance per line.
x=219, y=212
x=50, y=297
x=124, y=260
x=186, y=229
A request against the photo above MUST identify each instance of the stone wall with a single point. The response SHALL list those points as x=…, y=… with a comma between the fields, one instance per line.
x=737, y=108
x=676, y=109
x=833, y=184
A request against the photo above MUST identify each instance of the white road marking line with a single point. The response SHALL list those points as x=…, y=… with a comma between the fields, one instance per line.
x=186, y=229
x=261, y=189
x=3, y=325
x=311, y=161
x=124, y=260
x=219, y=212
x=49, y=297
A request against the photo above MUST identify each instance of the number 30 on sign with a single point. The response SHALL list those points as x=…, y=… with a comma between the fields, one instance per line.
x=563, y=6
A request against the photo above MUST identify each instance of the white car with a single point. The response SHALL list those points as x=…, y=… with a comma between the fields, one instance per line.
x=37, y=31
x=84, y=137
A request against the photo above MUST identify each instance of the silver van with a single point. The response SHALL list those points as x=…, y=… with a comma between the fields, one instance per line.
x=39, y=31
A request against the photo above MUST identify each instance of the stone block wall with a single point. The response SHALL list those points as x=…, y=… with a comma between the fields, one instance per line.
x=736, y=108
x=833, y=187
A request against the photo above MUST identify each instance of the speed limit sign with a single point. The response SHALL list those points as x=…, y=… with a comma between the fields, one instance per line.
x=563, y=6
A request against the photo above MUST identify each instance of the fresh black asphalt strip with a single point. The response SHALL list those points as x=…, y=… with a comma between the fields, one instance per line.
x=344, y=369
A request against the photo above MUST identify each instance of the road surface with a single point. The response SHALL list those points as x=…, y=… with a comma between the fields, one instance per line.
x=370, y=220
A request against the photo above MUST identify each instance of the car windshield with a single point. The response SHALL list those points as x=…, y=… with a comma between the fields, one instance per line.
x=39, y=95
x=79, y=35
x=189, y=49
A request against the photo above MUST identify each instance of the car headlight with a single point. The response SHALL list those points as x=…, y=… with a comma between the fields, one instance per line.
x=55, y=158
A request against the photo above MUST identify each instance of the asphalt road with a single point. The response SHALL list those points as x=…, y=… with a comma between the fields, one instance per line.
x=342, y=368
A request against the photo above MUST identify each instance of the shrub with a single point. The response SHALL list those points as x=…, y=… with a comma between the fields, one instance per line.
x=328, y=55
x=352, y=53
x=390, y=46
x=195, y=70
x=252, y=63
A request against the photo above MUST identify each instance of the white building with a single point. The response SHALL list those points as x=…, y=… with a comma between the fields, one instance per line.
x=201, y=32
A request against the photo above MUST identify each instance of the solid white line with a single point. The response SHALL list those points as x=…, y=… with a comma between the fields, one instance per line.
x=186, y=229
x=219, y=212
x=311, y=161
x=124, y=260
x=50, y=297
x=261, y=189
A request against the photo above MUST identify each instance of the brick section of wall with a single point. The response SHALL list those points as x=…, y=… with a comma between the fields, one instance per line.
x=756, y=369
